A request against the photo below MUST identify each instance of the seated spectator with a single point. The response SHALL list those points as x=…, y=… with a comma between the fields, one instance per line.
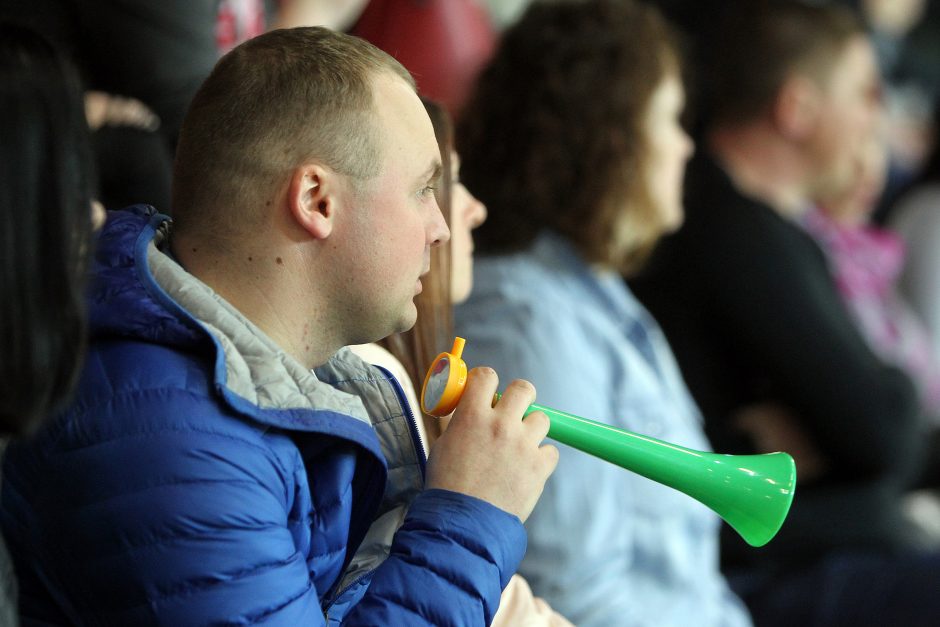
x=144, y=61
x=866, y=261
x=763, y=338
x=224, y=461
x=154, y=53
x=572, y=140
x=46, y=219
x=448, y=282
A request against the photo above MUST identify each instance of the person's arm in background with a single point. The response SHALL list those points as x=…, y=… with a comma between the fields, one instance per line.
x=519, y=607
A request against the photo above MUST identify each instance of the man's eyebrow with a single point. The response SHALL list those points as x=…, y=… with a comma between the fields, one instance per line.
x=433, y=172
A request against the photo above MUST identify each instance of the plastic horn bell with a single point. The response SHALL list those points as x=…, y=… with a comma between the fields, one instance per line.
x=752, y=493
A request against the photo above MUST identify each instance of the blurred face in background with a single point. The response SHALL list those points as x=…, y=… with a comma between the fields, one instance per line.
x=669, y=149
x=855, y=204
x=848, y=111
x=466, y=214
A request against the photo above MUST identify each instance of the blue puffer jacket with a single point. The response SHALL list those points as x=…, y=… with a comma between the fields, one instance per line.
x=202, y=476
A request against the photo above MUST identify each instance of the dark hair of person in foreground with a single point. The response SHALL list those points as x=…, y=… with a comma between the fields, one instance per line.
x=45, y=227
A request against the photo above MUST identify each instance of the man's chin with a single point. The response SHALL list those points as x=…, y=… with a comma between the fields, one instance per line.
x=408, y=319
x=381, y=331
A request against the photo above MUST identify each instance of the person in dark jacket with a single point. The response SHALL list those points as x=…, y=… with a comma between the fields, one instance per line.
x=768, y=349
x=225, y=459
x=46, y=220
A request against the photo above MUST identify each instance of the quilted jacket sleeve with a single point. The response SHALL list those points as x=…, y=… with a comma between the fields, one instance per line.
x=449, y=562
x=189, y=522
x=165, y=520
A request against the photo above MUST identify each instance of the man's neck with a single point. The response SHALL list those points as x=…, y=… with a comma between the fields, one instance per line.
x=263, y=285
x=763, y=165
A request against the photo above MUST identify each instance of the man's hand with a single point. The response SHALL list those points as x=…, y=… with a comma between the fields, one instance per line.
x=491, y=452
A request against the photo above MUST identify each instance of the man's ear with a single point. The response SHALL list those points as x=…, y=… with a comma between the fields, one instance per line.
x=313, y=196
x=796, y=108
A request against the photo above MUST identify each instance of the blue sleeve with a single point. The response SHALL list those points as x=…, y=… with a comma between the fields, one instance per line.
x=191, y=521
x=132, y=520
x=448, y=565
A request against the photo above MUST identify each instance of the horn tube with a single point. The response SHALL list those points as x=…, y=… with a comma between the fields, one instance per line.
x=752, y=493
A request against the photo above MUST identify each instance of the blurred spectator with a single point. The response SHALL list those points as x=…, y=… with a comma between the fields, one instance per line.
x=906, y=35
x=764, y=340
x=866, y=262
x=145, y=60
x=572, y=140
x=157, y=53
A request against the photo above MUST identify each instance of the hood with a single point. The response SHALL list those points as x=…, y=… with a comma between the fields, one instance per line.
x=124, y=301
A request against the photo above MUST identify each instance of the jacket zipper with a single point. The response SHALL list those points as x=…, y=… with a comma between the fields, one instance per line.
x=422, y=464
x=412, y=420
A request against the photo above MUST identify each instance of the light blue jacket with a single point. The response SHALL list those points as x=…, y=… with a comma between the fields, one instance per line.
x=201, y=476
x=607, y=547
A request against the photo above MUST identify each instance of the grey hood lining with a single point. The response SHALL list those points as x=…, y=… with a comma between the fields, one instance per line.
x=256, y=369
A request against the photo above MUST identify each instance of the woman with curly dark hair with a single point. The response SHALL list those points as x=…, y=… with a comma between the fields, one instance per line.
x=572, y=140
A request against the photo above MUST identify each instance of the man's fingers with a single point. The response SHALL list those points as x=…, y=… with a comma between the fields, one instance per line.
x=518, y=396
x=481, y=386
x=550, y=455
x=537, y=424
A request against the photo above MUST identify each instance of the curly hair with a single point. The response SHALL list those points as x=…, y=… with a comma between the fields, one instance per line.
x=553, y=135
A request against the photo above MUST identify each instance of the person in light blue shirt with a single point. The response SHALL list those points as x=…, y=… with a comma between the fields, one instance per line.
x=572, y=140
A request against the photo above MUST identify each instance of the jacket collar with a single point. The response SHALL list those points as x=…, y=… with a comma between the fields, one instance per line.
x=141, y=293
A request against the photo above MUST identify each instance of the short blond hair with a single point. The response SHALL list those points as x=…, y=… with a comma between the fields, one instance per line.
x=269, y=105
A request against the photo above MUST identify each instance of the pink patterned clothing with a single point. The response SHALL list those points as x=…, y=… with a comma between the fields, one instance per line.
x=865, y=262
